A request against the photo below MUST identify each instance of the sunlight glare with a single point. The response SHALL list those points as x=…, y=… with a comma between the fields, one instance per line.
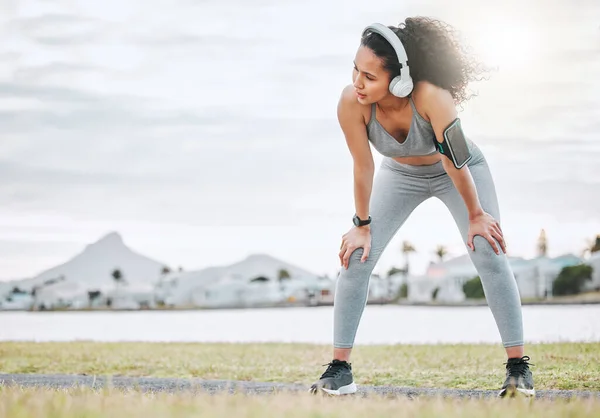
x=505, y=45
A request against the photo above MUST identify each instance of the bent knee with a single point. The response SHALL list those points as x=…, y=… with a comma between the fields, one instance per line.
x=485, y=258
x=356, y=267
x=483, y=246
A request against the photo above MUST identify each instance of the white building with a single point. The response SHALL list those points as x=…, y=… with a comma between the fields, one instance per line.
x=594, y=262
x=16, y=301
x=226, y=283
x=534, y=277
x=61, y=294
x=447, y=289
x=236, y=291
x=380, y=289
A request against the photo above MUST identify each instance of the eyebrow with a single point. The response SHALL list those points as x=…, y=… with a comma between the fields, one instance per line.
x=372, y=75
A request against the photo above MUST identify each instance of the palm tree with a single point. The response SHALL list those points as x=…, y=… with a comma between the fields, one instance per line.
x=117, y=275
x=118, y=278
x=592, y=246
x=407, y=248
x=596, y=247
x=441, y=252
x=542, y=244
x=164, y=271
x=282, y=275
x=93, y=295
x=394, y=270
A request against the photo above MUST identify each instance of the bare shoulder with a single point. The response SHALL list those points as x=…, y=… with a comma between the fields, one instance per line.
x=427, y=97
x=437, y=104
x=349, y=107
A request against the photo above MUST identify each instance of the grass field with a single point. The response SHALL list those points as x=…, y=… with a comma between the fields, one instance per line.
x=556, y=366
x=84, y=403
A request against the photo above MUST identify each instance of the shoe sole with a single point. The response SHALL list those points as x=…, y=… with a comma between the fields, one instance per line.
x=512, y=391
x=344, y=390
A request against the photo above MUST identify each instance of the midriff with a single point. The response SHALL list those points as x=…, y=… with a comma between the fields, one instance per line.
x=421, y=160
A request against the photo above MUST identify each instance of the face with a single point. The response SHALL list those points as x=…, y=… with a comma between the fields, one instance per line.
x=371, y=81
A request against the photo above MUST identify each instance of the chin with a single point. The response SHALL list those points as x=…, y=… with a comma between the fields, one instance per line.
x=364, y=100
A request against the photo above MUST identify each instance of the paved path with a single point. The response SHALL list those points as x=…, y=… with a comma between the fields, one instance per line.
x=154, y=384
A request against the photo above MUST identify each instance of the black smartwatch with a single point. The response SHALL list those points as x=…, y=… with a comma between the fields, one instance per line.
x=359, y=222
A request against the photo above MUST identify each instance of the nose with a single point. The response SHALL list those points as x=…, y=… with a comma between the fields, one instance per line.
x=358, y=84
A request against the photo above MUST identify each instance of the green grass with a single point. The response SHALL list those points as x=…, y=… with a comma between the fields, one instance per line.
x=85, y=403
x=557, y=366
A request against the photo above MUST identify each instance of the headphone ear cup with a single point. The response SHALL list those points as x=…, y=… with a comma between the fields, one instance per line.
x=400, y=88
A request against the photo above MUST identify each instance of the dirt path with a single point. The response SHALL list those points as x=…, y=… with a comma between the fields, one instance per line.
x=154, y=384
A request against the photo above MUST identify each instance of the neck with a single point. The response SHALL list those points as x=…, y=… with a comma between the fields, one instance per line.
x=391, y=103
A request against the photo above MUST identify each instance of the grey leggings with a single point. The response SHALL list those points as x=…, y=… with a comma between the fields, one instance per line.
x=397, y=190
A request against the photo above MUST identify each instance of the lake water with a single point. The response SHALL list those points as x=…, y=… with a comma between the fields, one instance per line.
x=379, y=325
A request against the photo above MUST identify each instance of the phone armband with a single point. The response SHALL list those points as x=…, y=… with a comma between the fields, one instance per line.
x=454, y=145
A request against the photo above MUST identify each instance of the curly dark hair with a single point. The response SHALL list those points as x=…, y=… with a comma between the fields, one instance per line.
x=435, y=54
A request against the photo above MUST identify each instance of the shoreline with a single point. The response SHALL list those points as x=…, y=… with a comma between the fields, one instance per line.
x=474, y=303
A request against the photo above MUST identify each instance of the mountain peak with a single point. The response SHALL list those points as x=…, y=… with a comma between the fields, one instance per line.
x=110, y=240
x=260, y=257
x=93, y=266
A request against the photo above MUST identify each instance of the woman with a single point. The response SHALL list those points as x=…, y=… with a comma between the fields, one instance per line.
x=407, y=81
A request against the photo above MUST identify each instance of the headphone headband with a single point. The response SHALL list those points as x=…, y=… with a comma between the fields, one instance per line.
x=401, y=85
x=393, y=39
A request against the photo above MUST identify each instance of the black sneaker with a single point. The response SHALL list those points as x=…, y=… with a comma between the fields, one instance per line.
x=518, y=378
x=337, y=379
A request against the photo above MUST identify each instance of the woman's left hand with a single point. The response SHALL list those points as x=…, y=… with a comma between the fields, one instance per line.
x=487, y=227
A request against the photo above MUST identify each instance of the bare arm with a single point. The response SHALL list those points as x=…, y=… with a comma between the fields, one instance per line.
x=352, y=124
x=439, y=107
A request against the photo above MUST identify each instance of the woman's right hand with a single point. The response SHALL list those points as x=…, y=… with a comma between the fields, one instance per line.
x=357, y=237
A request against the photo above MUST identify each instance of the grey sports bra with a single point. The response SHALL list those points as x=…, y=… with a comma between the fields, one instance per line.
x=420, y=140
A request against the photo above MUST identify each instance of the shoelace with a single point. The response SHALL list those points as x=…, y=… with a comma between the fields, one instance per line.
x=518, y=367
x=333, y=369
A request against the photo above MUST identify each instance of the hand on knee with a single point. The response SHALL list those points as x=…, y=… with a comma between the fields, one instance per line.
x=483, y=247
x=487, y=227
x=358, y=268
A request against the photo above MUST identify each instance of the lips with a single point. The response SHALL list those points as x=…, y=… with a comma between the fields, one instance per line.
x=362, y=96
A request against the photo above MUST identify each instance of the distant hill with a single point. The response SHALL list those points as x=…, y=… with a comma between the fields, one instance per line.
x=92, y=267
x=252, y=266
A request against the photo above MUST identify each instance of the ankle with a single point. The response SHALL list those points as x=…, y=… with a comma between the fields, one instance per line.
x=515, y=352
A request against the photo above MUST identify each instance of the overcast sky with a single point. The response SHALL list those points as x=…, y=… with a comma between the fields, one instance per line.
x=206, y=131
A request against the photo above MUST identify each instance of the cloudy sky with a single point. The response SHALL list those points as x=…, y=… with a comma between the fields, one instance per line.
x=206, y=131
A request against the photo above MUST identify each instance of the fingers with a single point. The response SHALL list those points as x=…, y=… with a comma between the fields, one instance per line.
x=366, y=250
x=502, y=245
x=498, y=235
x=498, y=226
x=491, y=238
x=496, y=232
x=343, y=248
x=492, y=242
x=346, y=257
x=347, y=251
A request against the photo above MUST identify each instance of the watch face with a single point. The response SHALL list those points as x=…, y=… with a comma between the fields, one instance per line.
x=355, y=220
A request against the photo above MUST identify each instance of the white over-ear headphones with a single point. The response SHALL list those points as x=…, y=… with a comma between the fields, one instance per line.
x=402, y=85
